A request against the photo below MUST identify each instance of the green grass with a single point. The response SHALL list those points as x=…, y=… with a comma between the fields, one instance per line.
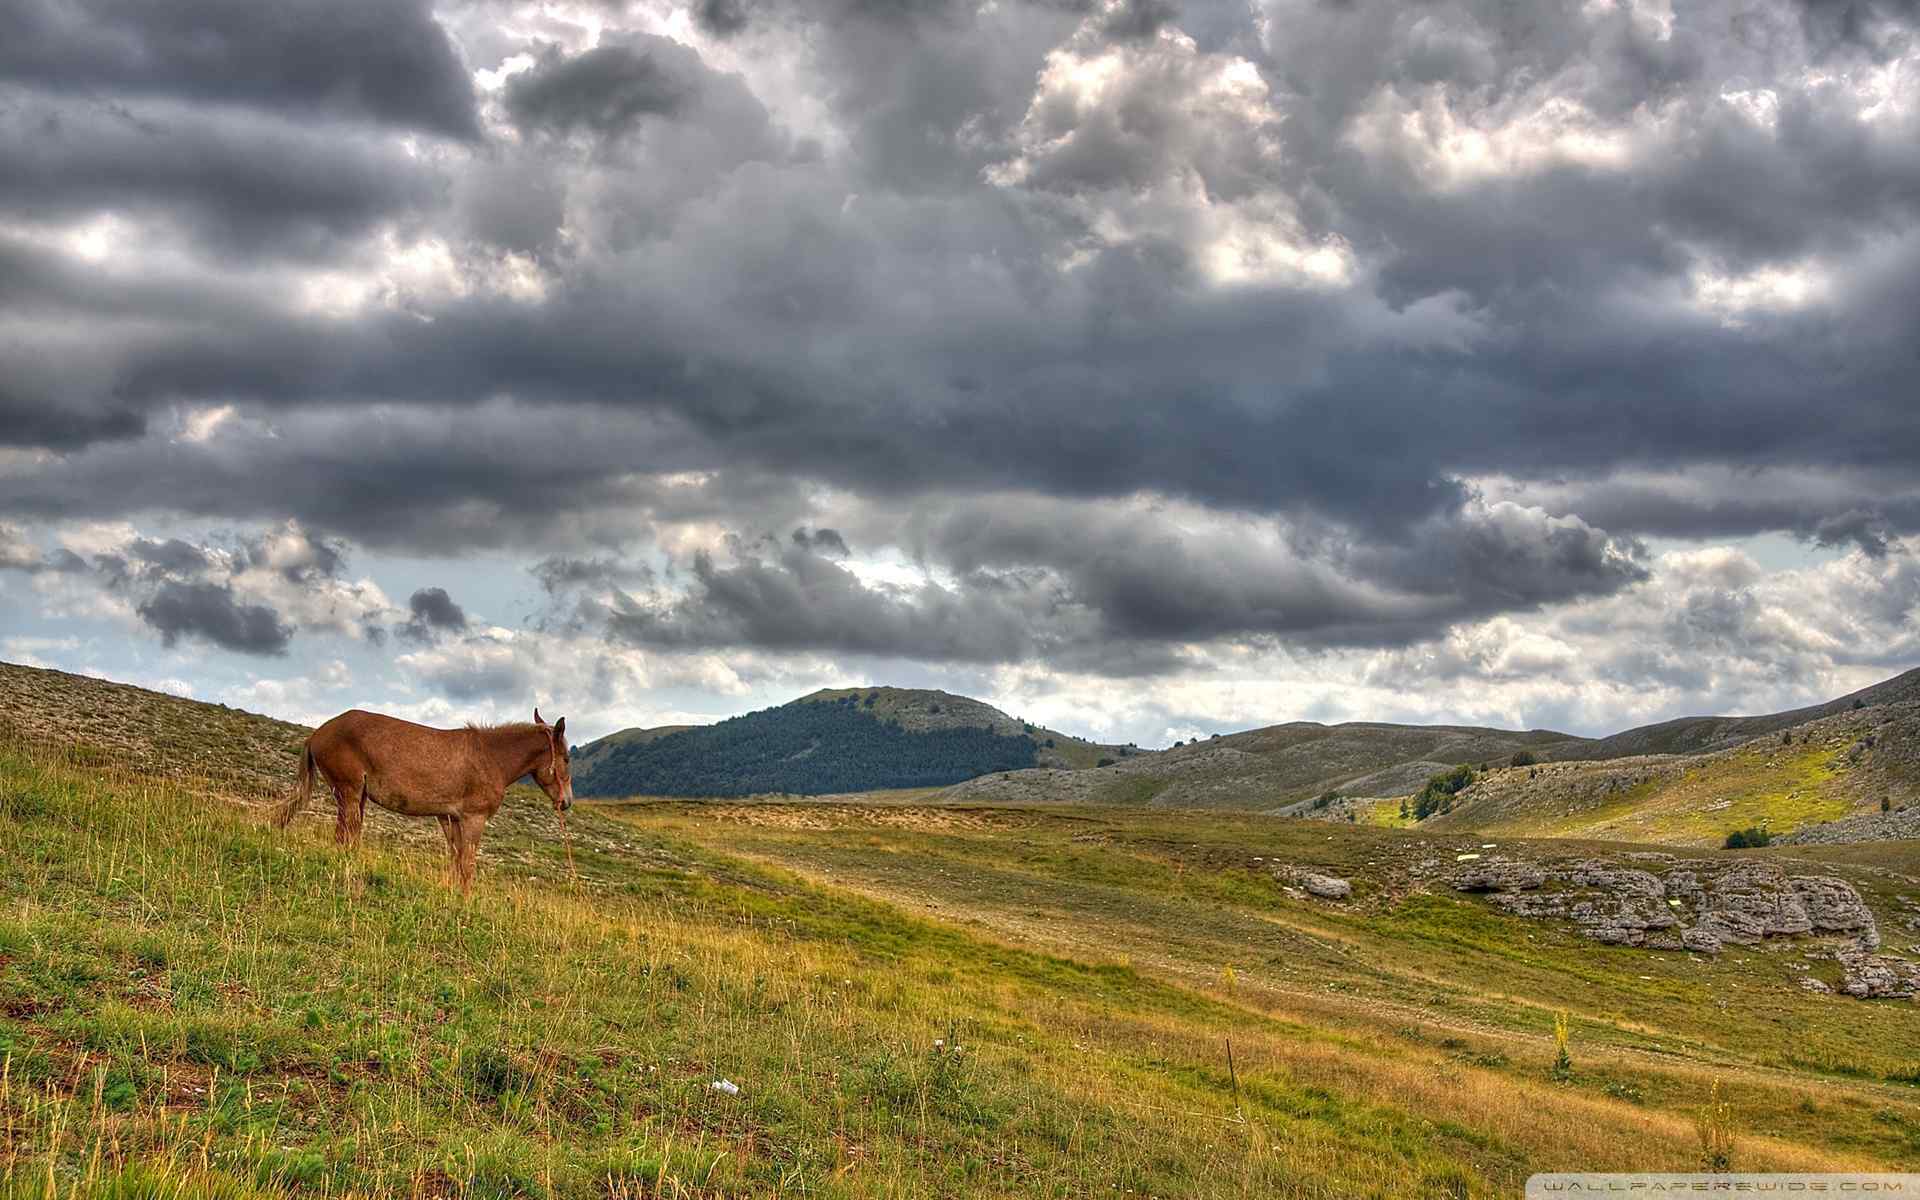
x=194, y=1004
x=1781, y=787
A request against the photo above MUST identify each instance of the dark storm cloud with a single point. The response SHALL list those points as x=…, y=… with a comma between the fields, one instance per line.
x=789, y=598
x=821, y=540
x=723, y=18
x=1017, y=248
x=1085, y=588
x=1856, y=527
x=381, y=60
x=434, y=613
x=560, y=574
x=172, y=557
x=234, y=182
x=606, y=90
x=209, y=611
x=1140, y=18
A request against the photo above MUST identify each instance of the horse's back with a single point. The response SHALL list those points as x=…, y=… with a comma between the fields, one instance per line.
x=402, y=764
x=371, y=733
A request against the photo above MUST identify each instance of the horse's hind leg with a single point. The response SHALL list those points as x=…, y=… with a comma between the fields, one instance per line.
x=451, y=828
x=351, y=813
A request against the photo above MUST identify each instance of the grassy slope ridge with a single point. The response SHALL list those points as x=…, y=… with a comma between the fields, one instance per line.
x=1822, y=770
x=193, y=1004
x=1271, y=768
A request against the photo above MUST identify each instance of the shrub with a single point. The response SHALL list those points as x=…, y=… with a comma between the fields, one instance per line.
x=1742, y=839
x=1886, y=804
x=1714, y=1126
x=1105, y=762
x=1522, y=758
x=1858, y=703
x=1438, y=794
x=1562, y=1059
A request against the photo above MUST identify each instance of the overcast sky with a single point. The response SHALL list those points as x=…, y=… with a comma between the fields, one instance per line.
x=1149, y=368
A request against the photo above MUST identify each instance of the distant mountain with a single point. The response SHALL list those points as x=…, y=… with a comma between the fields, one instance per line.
x=832, y=741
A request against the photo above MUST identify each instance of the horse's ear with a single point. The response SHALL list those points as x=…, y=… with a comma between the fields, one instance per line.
x=560, y=730
x=536, y=717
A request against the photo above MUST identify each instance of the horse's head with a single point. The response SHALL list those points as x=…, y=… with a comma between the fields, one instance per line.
x=555, y=776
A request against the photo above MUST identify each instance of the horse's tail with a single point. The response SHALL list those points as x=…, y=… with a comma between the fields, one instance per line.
x=301, y=791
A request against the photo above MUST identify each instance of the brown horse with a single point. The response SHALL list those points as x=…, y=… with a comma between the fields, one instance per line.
x=458, y=776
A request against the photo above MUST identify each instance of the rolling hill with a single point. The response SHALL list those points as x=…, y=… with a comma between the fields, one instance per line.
x=1844, y=767
x=827, y=742
x=1270, y=769
x=1820, y=773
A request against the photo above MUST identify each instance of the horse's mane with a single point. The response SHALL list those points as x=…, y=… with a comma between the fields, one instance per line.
x=502, y=726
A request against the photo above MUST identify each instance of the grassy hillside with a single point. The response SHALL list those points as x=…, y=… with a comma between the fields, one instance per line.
x=129, y=728
x=922, y=709
x=1268, y=770
x=606, y=767
x=591, y=757
x=911, y=1001
x=1822, y=770
x=809, y=747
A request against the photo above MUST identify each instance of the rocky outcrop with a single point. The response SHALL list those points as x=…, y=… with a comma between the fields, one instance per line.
x=1314, y=883
x=1878, y=976
x=1499, y=875
x=1698, y=905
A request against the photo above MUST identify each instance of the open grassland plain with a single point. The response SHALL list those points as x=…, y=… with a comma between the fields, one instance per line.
x=911, y=1001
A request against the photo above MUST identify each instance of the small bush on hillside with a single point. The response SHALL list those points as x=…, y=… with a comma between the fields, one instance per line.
x=1886, y=804
x=873, y=697
x=1105, y=762
x=1858, y=704
x=1744, y=839
x=1713, y=1125
x=1325, y=799
x=1522, y=758
x=1438, y=794
x=1563, y=1058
